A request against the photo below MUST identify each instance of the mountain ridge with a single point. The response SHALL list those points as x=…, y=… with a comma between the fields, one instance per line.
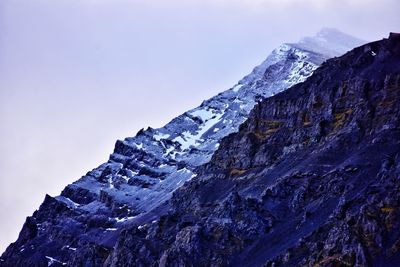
x=311, y=178
x=144, y=171
x=173, y=143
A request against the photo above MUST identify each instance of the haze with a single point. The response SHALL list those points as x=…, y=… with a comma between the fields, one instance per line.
x=77, y=75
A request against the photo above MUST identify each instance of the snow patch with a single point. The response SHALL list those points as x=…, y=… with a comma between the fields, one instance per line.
x=237, y=100
x=169, y=150
x=71, y=248
x=188, y=139
x=139, y=146
x=184, y=170
x=68, y=201
x=132, y=173
x=160, y=136
x=124, y=177
x=237, y=87
x=110, y=182
x=51, y=260
x=202, y=114
x=124, y=219
x=141, y=226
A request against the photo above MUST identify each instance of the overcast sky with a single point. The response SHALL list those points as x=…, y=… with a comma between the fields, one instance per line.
x=76, y=75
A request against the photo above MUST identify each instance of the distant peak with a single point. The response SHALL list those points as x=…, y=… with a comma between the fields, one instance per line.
x=330, y=41
x=329, y=31
x=333, y=34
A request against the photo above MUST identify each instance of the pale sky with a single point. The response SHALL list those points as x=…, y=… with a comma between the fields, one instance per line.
x=76, y=75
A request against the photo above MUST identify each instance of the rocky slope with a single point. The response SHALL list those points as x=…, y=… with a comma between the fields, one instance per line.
x=311, y=179
x=82, y=225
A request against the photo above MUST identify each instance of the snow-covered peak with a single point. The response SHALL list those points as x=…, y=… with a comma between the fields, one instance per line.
x=144, y=170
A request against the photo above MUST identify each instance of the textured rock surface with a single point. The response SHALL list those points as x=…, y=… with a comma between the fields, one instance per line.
x=311, y=179
x=81, y=227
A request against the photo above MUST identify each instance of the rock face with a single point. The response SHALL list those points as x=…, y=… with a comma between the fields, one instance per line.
x=312, y=178
x=217, y=217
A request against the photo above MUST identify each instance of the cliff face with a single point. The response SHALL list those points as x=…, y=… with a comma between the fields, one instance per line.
x=311, y=178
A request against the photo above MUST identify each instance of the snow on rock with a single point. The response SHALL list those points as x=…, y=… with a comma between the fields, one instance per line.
x=139, y=146
x=71, y=248
x=120, y=220
x=191, y=138
x=68, y=201
x=51, y=260
x=160, y=136
x=203, y=114
x=237, y=87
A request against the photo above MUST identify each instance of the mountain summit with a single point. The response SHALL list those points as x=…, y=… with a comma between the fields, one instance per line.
x=329, y=41
x=81, y=227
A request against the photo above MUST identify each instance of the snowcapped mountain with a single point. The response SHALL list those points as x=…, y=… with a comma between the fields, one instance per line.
x=310, y=179
x=144, y=171
x=329, y=42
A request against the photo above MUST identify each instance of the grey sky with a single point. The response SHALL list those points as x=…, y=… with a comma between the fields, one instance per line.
x=75, y=75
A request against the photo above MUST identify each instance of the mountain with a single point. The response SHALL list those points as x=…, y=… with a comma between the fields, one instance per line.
x=329, y=42
x=83, y=224
x=312, y=178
